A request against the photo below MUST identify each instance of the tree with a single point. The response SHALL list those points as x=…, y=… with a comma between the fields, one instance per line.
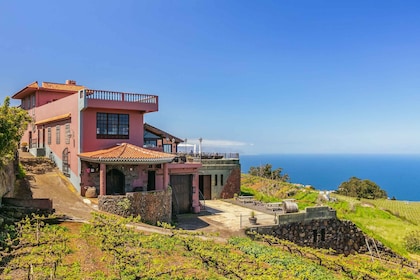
x=13, y=122
x=356, y=187
x=266, y=171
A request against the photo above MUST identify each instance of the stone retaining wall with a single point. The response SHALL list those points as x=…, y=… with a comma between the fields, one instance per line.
x=152, y=206
x=342, y=236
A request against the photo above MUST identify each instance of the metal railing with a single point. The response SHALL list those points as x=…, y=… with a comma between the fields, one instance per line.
x=120, y=96
x=210, y=155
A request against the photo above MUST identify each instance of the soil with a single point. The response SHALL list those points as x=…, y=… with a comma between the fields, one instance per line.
x=46, y=181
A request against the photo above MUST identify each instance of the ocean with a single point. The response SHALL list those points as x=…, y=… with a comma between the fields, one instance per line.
x=398, y=175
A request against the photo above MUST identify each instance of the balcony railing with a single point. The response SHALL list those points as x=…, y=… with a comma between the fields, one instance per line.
x=120, y=96
x=210, y=155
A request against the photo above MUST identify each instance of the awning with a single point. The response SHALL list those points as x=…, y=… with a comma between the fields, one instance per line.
x=54, y=119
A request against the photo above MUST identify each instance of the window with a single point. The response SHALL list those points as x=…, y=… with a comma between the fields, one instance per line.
x=112, y=126
x=150, y=142
x=33, y=100
x=57, y=134
x=68, y=134
x=221, y=179
x=167, y=148
x=49, y=135
x=215, y=179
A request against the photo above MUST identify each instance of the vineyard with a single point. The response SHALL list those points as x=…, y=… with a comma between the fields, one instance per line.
x=409, y=211
x=107, y=248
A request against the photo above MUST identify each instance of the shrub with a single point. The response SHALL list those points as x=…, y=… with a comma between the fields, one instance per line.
x=412, y=241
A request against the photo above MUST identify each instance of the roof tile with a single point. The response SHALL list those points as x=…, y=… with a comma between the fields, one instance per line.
x=127, y=153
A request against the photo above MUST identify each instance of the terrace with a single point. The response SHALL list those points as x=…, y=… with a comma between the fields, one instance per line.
x=91, y=98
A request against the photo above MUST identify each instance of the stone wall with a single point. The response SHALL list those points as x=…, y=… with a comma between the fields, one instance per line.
x=319, y=230
x=7, y=178
x=342, y=236
x=232, y=185
x=152, y=206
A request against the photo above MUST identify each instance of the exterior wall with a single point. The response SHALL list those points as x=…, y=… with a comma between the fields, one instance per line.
x=54, y=151
x=151, y=206
x=186, y=169
x=135, y=176
x=88, y=130
x=229, y=170
x=232, y=185
x=47, y=96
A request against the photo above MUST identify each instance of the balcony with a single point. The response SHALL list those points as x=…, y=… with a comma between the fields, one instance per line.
x=91, y=98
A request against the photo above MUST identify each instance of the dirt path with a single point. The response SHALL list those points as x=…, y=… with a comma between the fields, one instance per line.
x=47, y=181
x=66, y=202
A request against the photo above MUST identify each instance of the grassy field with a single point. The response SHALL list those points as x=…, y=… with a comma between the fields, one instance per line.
x=377, y=219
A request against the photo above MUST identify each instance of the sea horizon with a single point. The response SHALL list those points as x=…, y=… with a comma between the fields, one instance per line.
x=397, y=174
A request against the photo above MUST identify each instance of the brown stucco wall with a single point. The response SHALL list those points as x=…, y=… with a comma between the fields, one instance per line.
x=151, y=206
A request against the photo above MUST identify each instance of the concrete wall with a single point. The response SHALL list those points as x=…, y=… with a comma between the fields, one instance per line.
x=88, y=140
x=39, y=203
x=151, y=206
x=229, y=170
x=311, y=213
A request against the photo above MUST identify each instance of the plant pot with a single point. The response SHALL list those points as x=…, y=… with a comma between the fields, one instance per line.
x=91, y=192
x=252, y=220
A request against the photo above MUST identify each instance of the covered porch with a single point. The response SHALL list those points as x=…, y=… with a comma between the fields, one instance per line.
x=126, y=169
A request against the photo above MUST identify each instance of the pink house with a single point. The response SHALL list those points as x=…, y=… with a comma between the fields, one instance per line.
x=96, y=138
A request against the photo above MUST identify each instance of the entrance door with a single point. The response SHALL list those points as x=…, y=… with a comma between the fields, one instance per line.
x=181, y=193
x=115, y=182
x=151, y=180
x=205, y=186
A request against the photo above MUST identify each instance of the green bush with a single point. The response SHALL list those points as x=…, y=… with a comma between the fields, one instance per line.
x=412, y=241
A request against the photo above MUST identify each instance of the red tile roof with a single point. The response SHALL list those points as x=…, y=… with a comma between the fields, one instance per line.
x=46, y=86
x=127, y=153
x=55, y=119
x=58, y=86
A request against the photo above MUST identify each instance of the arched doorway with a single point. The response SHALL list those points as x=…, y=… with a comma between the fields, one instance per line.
x=115, y=182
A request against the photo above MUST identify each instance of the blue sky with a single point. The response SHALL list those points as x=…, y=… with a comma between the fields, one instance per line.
x=246, y=76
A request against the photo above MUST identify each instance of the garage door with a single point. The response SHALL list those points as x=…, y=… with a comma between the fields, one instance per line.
x=181, y=193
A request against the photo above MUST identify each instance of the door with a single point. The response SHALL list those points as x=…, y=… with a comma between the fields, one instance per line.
x=205, y=186
x=151, y=180
x=66, y=165
x=181, y=193
x=43, y=138
x=115, y=182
